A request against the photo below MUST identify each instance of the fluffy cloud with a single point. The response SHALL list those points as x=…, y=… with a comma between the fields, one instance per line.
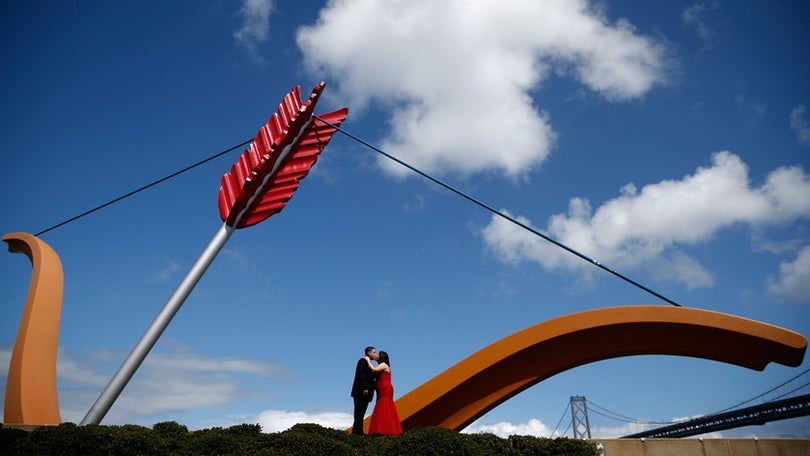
x=646, y=227
x=255, y=16
x=693, y=16
x=457, y=74
x=166, y=382
x=504, y=429
x=799, y=125
x=793, y=281
x=280, y=420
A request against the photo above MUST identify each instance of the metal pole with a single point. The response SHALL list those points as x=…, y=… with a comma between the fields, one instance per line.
x=148, y=340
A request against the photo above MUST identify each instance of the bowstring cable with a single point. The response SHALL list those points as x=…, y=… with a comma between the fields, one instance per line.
x=391, y=157
x=174, y=174
x=499, y=213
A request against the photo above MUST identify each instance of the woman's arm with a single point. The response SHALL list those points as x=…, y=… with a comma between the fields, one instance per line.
x=380, y=367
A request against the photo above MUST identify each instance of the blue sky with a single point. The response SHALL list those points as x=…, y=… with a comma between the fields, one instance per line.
x=669, y=141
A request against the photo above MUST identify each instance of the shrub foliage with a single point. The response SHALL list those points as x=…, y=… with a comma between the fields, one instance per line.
x=171, y=438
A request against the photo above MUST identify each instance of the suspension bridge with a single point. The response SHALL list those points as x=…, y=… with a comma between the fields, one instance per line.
x=588, y=420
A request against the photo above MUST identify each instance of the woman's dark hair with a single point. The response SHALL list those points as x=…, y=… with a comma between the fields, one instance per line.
x=383, y=358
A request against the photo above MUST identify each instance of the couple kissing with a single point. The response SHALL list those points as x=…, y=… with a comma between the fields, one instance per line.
x=369, y=378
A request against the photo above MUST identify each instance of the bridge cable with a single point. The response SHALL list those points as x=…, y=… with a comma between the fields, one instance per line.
x=565, y=412
x=501, y=214
x=620, y=417
x=767, y=392
x=593, y=407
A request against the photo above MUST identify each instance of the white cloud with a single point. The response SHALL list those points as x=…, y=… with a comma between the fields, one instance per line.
x=239, y=259
x=504, y=429
x=754, y=109
x=416, y=205
x=457, y=74
x=680, y=267
x=281, y=420
x=602, y=428
x=79, y=370
x=255, y=16
x=196, y=363
x=793, y=281
x=537, y=428
x=644, y=228
x=173, y=392
x=165, y=382
x=166, y=273
x=799, y=125
x=693, y=16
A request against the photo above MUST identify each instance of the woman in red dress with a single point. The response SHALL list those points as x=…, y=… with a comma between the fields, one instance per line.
x=384, y=417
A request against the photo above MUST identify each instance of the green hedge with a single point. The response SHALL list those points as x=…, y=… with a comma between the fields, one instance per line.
x=171, y=438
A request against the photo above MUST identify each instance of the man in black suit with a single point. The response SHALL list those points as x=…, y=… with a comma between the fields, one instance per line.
x=362, y=389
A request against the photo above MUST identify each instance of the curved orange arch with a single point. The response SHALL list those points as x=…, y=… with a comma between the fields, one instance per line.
x=31, y=396
x=468, y=390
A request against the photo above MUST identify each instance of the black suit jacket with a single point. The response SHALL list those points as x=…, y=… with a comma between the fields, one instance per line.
x=363, y=380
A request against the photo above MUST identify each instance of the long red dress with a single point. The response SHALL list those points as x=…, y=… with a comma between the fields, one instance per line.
x=384, y=418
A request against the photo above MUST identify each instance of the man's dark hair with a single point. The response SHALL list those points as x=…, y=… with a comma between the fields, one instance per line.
x=368, y=350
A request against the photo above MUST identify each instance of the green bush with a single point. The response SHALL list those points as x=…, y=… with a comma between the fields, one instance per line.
x=492, y=444
x=216, y=441
x=14, y=441
x=132, y=440
x=171, y=430
x=174, y=436
x=312, y=440
x=527, y=445
x=67, y=438
x=430, y=441
x=329, y=433
x=171, y=438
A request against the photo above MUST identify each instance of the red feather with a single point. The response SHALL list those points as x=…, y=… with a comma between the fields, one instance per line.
x=266, y=175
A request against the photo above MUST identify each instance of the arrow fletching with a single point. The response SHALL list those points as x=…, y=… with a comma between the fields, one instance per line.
x=269, y=171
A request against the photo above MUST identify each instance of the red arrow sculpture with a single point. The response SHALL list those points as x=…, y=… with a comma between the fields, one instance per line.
x=258, y=185
x=264, y=178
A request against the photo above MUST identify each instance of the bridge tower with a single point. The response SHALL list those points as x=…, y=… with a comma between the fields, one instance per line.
x=579, y=418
